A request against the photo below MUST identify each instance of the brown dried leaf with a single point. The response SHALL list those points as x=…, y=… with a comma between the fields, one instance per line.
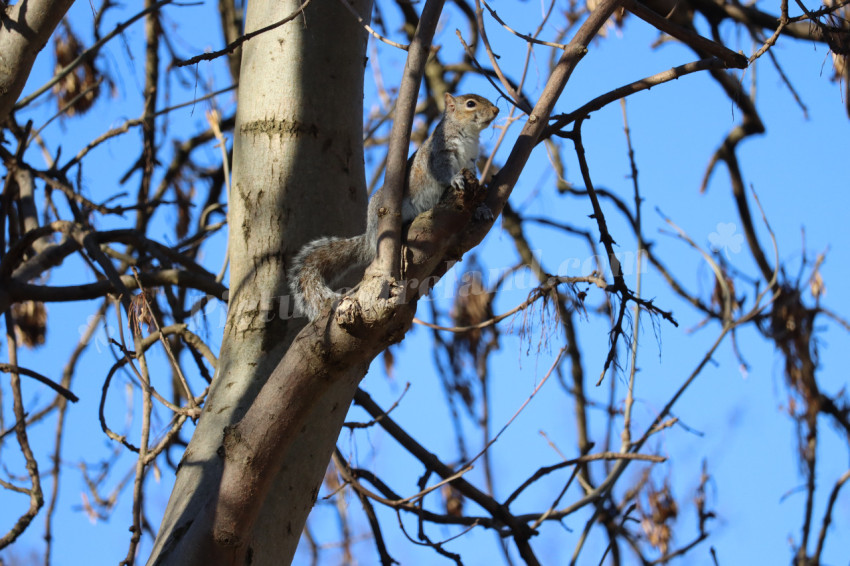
x=30, y=318
x=663, y=509
x=453, y=500
x=717, y=294
x=140, y=312
x=184, y=210
x=472, y=307
x=816, y=285
x=81, y=85
x=332, y=482
x=389, y=363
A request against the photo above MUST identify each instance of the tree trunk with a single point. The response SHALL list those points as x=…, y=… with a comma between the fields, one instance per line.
x=24, y=32
x=298, y=174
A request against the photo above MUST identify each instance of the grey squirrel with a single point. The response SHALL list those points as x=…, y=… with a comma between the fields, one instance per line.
x=436, y=165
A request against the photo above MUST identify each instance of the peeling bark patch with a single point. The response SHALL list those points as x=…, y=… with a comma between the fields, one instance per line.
x=282, y=128
x=232, y=438
x=246, y=225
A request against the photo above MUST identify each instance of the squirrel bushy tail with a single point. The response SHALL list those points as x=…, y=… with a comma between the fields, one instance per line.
x=325, y=260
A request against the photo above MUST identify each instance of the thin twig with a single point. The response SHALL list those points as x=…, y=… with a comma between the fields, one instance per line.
x=89, y=53
x=67, y=394
x=36, y=496
x=632, y=88
x=528, y=38
x=538, y=293
x=371, y=31
x=626, y=435
x=231, y=47
x=686, y=36
x=771, y=41
x=136, y=122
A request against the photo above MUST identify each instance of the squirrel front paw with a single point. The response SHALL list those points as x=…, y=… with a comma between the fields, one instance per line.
x=458, y=181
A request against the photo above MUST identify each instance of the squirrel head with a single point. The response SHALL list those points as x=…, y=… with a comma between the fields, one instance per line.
x=471, y=109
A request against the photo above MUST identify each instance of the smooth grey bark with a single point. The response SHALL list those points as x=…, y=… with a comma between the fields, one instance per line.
x=24, y=31
x=298, y=173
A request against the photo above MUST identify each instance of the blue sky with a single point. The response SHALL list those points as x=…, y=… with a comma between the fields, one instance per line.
x=748, y=441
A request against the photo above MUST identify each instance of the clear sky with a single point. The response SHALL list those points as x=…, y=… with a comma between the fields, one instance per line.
x=736, y=419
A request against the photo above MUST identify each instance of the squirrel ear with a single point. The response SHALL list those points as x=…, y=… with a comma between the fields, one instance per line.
x=450, y=101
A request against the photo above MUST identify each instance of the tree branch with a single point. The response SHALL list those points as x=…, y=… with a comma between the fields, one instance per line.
x=390, y=196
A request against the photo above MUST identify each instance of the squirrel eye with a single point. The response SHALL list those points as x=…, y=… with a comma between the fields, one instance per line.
x=470, y=104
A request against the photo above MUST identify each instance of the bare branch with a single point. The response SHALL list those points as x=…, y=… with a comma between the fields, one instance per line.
x=89, y=53
x=64, y=392
x=242, y=39
x=387, y=259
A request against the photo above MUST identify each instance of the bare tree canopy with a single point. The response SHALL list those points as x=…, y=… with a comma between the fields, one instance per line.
x=610, y=343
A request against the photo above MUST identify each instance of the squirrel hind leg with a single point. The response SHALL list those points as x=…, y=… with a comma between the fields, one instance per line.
x=483, y=213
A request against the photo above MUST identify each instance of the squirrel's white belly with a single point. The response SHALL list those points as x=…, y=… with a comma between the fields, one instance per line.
x=466, y=150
